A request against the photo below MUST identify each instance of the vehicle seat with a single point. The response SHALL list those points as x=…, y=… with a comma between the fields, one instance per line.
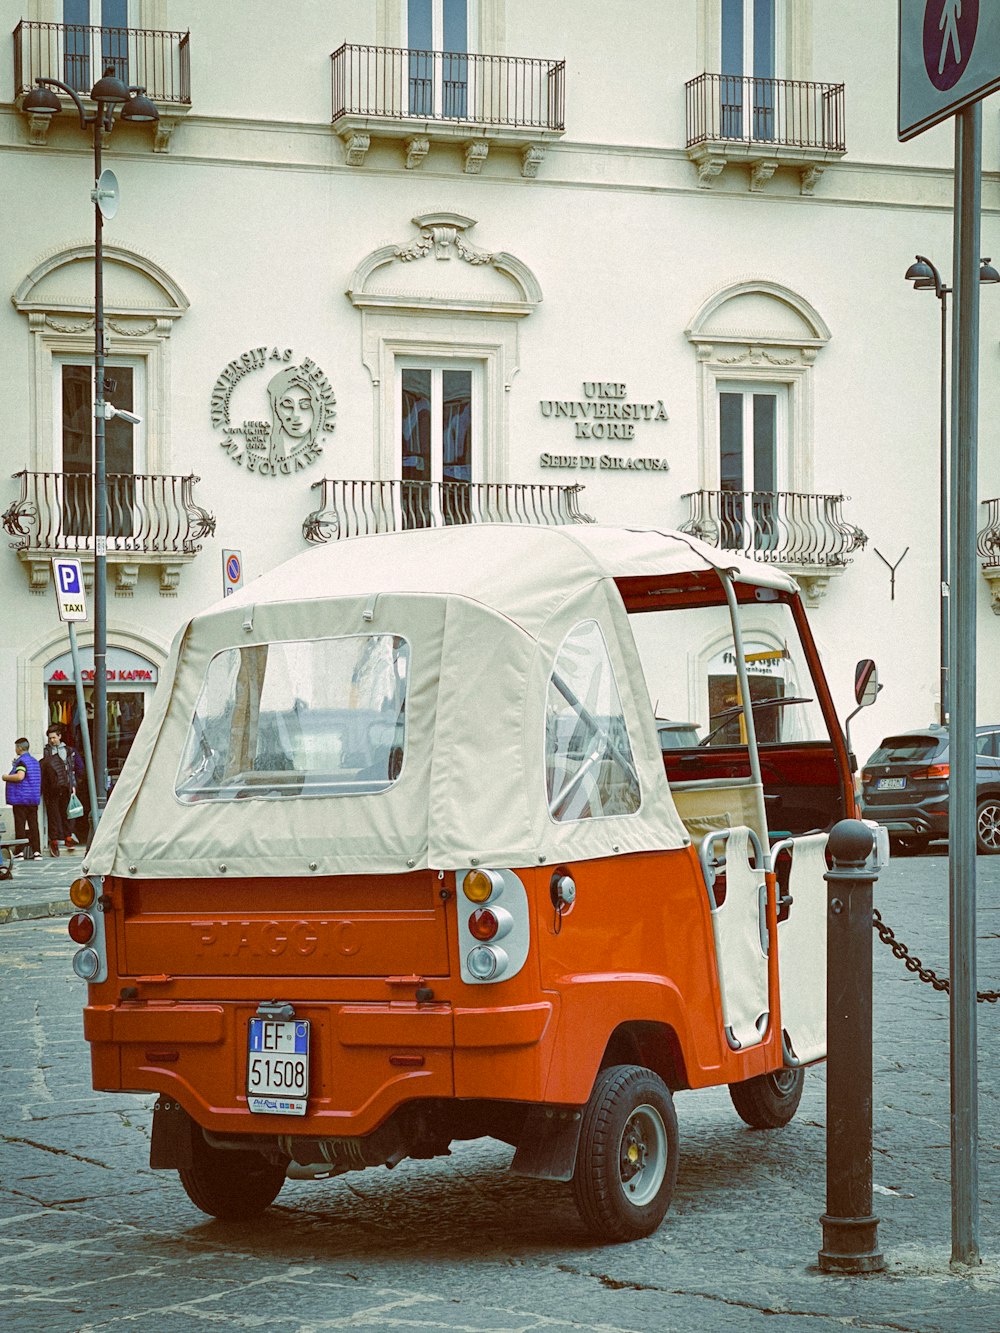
x=739, y=926
x=802, y=952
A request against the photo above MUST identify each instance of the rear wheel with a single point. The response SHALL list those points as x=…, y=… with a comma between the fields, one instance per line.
x=988, y=826
x=626, y=1165
x=769, y=1101
x=231, y=1185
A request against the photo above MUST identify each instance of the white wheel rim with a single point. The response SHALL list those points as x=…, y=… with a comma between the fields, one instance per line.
x=989, y=825
x=642, y=1155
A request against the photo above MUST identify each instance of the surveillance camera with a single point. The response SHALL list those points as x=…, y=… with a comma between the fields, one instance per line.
x=130, y=417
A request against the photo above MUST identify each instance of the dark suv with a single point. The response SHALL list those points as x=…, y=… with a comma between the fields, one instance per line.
x=905, y=787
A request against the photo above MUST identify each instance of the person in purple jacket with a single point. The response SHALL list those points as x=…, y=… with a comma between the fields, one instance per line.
x=24, y=792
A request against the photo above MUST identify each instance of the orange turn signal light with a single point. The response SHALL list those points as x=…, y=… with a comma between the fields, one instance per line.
x=480, y=885
x=82, y=893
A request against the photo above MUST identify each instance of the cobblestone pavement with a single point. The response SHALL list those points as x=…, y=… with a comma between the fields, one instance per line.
x=91, y=1239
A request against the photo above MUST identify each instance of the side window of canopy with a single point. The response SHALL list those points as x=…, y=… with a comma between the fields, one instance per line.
x=589, y=769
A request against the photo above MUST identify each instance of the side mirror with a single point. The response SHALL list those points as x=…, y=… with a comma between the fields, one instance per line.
x=866, y=686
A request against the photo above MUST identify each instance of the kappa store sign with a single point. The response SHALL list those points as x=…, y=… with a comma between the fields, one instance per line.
x=124, y=668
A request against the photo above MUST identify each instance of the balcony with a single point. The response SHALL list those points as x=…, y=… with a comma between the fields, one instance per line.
x=79, y=53
x=988, y=546
x=765, y=124
x=360, y=508
x=425, y=97
x=805, y=534
x=151, y=520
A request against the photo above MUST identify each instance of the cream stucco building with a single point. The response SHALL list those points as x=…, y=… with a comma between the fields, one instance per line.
x=417, y=260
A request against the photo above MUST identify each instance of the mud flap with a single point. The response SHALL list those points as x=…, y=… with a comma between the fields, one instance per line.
x=170, y=1142
x=548, y=1143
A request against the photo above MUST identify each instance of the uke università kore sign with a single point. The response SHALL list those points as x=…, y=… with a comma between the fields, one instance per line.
x=301, y=411
x=603, y=415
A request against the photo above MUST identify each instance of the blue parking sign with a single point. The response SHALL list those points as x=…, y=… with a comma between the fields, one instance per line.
x=71, y=600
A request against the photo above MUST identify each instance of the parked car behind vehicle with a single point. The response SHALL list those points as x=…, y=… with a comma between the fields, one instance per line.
x=677, y=735
x=905, y=787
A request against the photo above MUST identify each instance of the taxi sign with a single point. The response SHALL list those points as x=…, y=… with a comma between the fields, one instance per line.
x=949, y=57
x=67, y=575
x=232, y=572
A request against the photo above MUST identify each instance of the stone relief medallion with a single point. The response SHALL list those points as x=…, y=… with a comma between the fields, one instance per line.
x=301, y=411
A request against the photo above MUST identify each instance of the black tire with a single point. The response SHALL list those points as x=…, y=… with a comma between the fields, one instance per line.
x=769, y=1101
x=626, y=1164
x=231, y=1185
x=988, y=826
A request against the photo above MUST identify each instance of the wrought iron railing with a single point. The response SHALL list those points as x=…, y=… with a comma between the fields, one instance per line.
x=443, y=85
x=153, y=513
x=360, y=508
x=783, y=112
x=781, y=527
x=988, y=537
x=79, y=53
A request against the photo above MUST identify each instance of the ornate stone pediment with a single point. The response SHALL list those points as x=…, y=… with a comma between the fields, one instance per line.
x=137, y=290
x=411, y=275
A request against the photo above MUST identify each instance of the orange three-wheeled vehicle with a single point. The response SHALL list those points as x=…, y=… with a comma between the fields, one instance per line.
x=402, y=855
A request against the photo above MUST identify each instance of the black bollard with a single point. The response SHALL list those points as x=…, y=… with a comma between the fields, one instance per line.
x=850, y=1240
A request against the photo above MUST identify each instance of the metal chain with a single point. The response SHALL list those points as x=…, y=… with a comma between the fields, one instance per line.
x=913, y=963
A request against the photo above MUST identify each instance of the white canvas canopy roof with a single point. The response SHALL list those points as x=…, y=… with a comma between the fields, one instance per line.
x=484, y=610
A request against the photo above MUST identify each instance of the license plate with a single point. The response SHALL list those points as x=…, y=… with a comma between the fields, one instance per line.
x=278, y=1066
x=890, y=784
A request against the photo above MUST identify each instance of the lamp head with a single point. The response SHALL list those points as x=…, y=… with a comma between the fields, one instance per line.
x=139, y=109
x=920, y=274
x=987, y=273
x=109, y=89
x=42, y=102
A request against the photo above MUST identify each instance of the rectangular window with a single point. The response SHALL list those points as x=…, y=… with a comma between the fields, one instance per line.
x=437, y=37
x=323, y=717
x=87, y=54
x=74, y=452
x=750, y=432
x=749, y=67
x=436, y=407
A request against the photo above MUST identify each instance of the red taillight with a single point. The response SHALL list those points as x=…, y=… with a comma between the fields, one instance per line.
x=81, y=928
x=933, y=773
x=483, y=924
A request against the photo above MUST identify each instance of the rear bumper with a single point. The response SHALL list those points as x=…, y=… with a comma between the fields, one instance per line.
x=365, y=1059
x=927, y=818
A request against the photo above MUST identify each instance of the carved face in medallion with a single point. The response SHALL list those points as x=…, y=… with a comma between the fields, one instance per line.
x=295, y=412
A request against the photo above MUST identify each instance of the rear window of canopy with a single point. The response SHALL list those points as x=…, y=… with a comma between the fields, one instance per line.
x=319, y=717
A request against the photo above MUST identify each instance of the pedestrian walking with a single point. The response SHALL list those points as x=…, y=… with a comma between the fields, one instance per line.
x=24, y=792
x=58, y=785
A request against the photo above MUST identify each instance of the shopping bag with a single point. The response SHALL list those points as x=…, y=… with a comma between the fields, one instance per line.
x=75, y=808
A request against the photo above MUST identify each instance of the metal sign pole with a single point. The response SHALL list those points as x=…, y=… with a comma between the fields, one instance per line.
x=962, y=739
x=81, y=712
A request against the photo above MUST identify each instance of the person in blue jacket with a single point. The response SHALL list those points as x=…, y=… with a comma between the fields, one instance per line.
x=24, y=792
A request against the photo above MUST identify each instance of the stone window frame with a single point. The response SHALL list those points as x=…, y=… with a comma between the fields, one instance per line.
x=794, y=35
x=487, y=25
x=64, y=326
x=449, y=327
x=752, y=356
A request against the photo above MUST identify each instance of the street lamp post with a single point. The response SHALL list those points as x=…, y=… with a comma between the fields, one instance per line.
x=925, y=276
x=108, y=93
